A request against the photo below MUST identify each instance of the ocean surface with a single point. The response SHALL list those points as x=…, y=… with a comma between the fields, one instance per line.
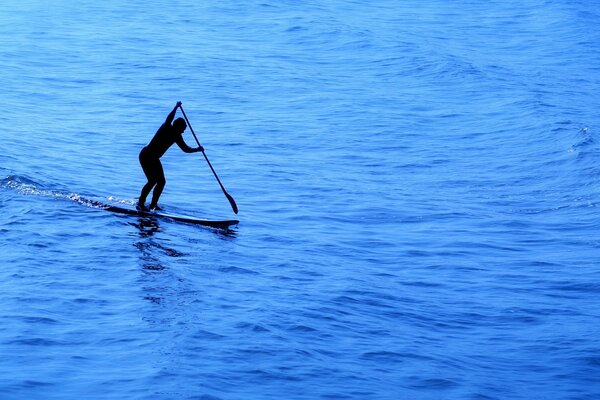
x=418, y=185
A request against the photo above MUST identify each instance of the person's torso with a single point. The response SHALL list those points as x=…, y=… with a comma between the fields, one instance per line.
x=162, y=140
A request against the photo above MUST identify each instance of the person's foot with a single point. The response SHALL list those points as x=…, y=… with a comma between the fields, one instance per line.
x=155, y=207
x=141, y=207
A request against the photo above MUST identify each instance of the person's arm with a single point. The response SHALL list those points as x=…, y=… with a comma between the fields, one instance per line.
x=171, y=115
x=187, y=149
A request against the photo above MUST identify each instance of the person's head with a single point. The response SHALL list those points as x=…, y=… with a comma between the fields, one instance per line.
x=179, y=125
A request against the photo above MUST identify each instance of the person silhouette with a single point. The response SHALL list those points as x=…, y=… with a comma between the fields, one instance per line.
x=169, y=132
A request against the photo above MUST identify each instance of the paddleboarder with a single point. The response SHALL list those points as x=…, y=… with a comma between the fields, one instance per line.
x=169, y=132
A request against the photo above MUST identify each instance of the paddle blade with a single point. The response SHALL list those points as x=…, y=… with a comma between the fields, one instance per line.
x=232, y=202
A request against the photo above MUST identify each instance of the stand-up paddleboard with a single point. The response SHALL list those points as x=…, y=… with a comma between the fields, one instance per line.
x=225, y=224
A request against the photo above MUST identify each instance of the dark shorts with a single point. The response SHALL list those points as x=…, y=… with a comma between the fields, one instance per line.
x=152, y=166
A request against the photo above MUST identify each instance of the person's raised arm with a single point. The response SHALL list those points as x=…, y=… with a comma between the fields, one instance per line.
x=171, y=115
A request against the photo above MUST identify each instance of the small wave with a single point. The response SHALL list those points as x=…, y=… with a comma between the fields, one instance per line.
x=20, y=183
x=237, y=270
x=24, y=185
x=204, y=334
x=36, y=341
x=252, y=327
x=435, y=384
x=583, y=287
x=385, y=356
x=37, y=320
x=17, y=179
x=302, y=328
x=29, y=187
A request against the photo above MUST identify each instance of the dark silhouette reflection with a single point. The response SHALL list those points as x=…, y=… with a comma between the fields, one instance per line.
x=151, y=251
x=147, y=226
x=225, y=233
x=149, y=246
x=155, y=255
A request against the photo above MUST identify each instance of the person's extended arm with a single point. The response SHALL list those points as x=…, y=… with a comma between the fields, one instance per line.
x=171, y=115
x=187, y=149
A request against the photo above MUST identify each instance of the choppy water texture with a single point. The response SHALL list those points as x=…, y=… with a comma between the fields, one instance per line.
x=418, y=185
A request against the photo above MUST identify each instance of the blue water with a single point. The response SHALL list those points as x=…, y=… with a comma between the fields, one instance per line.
x=418, y=185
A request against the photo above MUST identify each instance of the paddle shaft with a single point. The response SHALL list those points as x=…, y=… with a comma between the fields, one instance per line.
x=231, y=200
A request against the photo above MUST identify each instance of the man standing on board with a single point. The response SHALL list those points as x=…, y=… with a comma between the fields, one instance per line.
x=170, y=132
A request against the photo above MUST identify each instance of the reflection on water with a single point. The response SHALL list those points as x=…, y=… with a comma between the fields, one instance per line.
x=147, y=226
x=155, y=256
x=151, y=248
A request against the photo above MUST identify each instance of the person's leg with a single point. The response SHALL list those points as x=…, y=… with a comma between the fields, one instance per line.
x=145, y=191
x=149, y=171
x=160, y=184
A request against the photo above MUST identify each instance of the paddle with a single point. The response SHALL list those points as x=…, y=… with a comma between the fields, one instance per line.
x=231, y=201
